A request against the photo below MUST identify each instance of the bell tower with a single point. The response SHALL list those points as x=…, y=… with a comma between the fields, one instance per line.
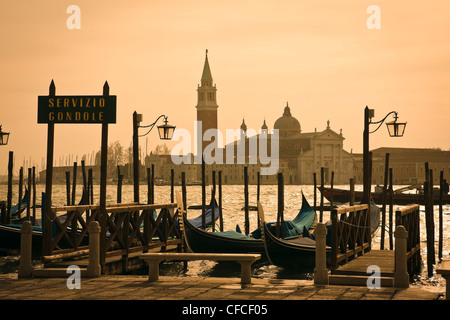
x=206, y=102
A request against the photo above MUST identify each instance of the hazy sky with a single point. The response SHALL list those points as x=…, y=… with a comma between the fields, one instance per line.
x=320, y=56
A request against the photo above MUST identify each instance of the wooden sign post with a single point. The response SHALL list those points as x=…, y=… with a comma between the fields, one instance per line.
x=75, y=109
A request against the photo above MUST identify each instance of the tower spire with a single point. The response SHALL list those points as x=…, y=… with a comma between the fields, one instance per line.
x=207, y=79
x=206, y=101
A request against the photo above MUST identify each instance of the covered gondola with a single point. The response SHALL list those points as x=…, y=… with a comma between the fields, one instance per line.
x=298, y=252
x=204, y=241
x=10, y=235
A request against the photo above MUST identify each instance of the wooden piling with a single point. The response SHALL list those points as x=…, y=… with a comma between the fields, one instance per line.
x=391, y=210
x=441, y=226
x=91, y=187
x=73, y=200
x=213, y=211
x=431, y=213
x=103, y=184
x=203, y=194
x=149, y=198
x=34, y=196
x=258, y=187
x=383, y=208
x=20, y=189
x=136, y=161
x=352, y=192
x=68, y=188
x=119, y=185
x=90, y=192
x=9, y=195
x=152, y=185
x=331, y=189
x=74, y=183
x=220, y=201
x=83, y=171
x=48, y=214
x=428, y=201
x=322, y=182
x=247, y=221
x=184, y=197
x=172, y=183
x=280, y=215
x=29, y=196
x=183, y=190
x=315, y=191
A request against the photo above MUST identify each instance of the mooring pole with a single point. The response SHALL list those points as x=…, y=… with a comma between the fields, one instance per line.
x=48, y=215
x=103, y=173
x=9, y=195
x=136, y=162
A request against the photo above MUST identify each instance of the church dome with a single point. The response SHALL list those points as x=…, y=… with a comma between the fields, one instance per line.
x=287, y=124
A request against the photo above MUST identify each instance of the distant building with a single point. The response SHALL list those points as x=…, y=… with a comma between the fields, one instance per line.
x=59, y=174
x=300, y=154
x=408, y=165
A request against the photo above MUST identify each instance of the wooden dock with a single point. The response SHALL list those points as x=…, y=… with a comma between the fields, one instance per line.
x=214, y=289
x=357, y=271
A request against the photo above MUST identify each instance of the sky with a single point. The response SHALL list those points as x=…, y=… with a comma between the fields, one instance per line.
x=320, y=56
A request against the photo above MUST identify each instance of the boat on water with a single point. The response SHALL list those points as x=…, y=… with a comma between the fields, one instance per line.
x=399, y=197
x=231, y=241
x=10, y=235
x=23, y=205
x=300, y=252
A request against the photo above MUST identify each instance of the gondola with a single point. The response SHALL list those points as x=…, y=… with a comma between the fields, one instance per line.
x=398, y=198
x=300, y=252
x=204, y=241
x=293, y=228
x=198, y=222
x=10, y=235
x=23, y=205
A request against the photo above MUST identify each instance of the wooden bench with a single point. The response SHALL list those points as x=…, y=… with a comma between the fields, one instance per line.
x=154, y=259
x=444, y=270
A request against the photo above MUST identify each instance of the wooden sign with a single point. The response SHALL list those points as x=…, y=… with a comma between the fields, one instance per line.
x=77, y=109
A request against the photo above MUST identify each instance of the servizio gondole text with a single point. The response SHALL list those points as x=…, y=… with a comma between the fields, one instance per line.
x=76, y=109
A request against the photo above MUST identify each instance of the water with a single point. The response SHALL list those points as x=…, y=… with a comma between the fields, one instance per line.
x=233, y=201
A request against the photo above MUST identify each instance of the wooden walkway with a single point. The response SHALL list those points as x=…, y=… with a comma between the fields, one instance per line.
x=214, y=289
x=357, y=271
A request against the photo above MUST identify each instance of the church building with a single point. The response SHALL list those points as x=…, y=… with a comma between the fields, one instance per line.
x=301, y=154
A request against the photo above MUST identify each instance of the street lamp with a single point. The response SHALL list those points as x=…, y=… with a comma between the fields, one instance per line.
x=165, y=133
x=395, y=129
x=4, y=137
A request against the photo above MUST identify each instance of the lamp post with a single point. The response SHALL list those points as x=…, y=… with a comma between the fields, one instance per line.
x=395, y=129
x=165, y=133
x=4, y=137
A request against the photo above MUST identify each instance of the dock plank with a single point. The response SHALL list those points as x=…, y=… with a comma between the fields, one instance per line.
x=384, y=259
